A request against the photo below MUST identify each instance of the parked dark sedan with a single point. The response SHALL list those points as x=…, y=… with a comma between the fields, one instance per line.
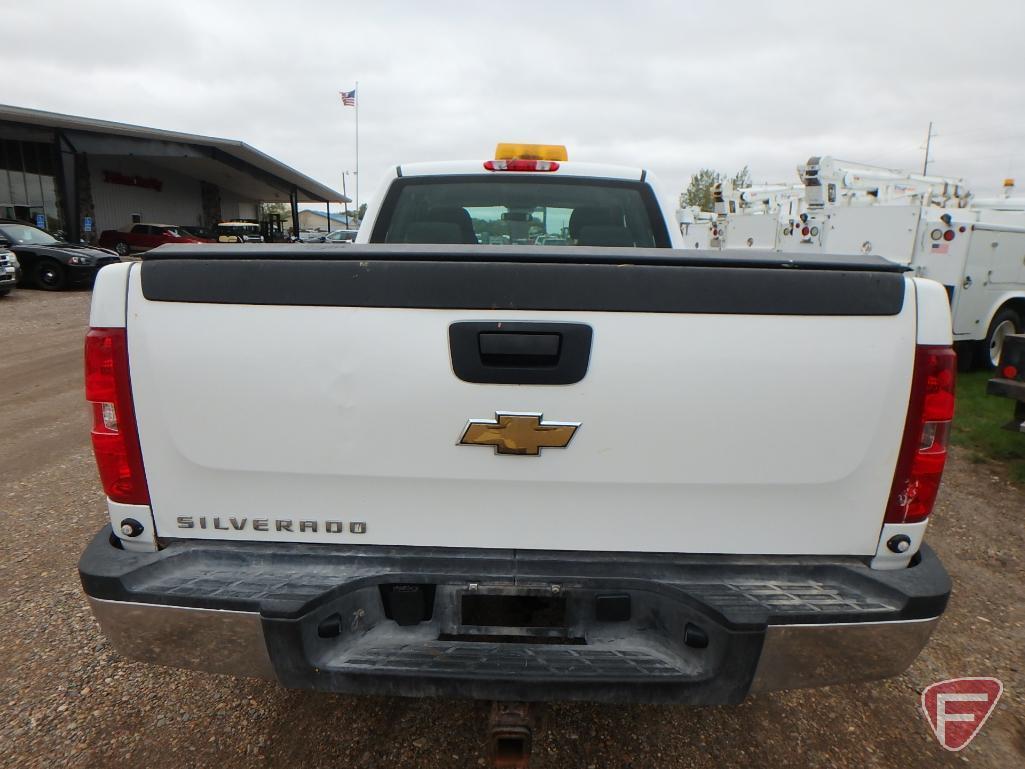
x=51, y=264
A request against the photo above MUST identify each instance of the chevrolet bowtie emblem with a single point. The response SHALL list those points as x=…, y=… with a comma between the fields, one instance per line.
x=514, y=433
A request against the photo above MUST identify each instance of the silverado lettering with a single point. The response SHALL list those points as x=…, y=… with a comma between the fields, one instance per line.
x=263, y=524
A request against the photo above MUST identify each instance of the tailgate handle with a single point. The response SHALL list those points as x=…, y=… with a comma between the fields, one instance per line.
x=520, y=352
x=511, y=349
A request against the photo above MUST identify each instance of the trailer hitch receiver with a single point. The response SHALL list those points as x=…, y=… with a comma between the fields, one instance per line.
x=510, y=734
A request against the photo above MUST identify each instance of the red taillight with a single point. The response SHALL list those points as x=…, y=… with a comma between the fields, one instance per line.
x=923, y=451
x=948, y=235
x=805, y=231
x=115, y=436
x=1010, y=372
x=521, y=165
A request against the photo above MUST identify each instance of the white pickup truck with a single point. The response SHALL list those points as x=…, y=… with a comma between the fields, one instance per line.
x=448, y=461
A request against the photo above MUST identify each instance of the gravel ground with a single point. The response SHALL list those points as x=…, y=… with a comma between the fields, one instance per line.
x=70, y=700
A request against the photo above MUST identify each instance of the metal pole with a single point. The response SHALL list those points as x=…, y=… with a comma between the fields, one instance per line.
x=293, y=199
x=346, y=196
x=357, y=89
x=328, y=215
x=928, y=141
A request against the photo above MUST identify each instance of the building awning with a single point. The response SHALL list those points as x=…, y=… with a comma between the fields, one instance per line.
x=230, y=164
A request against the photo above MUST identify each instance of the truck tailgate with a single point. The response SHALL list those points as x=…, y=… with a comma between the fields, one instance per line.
x=724, y=409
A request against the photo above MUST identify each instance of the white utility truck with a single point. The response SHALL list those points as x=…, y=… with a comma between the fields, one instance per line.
x=930, y=225
x=752, y=217
x=605, y=471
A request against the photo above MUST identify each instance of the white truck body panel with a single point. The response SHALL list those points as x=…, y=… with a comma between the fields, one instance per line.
x=744, y=231
x=566, y=168
x=353, y=414
x=984, y=265
x=108, y=301
x=695, y=226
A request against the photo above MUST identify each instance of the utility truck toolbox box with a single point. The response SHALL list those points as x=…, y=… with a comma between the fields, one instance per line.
x=519, y=472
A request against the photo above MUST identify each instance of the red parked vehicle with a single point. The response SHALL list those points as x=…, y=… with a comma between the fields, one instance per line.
x=142, y=237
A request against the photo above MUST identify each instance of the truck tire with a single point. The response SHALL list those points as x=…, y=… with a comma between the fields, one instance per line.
x=50, y=275
x=967, y=355
x=122, y=248
x=1007, y=321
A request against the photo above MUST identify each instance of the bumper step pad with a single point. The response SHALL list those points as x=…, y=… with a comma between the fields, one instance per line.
x=502, y=659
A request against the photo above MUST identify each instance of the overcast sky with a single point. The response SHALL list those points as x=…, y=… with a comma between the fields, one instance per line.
x=670, y=86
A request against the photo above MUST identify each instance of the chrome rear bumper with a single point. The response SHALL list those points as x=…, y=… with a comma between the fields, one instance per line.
x=214, y=640
x=803, y=656
x=233, y=642
x=617, y=627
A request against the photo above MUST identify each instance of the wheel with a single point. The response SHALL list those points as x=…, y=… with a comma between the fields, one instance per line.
x=967, y=355
x=122, y=248
x=1006, y=322
x=50, y=275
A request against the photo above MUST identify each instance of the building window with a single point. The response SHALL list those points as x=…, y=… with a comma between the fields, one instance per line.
x=28, y=188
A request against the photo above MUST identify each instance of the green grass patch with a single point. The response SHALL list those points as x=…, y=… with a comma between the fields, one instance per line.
x=978, y=422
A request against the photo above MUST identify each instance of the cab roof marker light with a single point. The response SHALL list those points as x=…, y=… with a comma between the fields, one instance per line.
x=521, y=165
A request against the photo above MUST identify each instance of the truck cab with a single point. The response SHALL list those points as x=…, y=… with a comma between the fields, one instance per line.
x=525, y=195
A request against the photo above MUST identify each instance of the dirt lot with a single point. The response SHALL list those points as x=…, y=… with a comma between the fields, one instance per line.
x=69, y=700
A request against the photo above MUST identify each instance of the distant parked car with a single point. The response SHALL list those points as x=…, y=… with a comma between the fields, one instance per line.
x=49, y=263
x=239, y=232
x=142, y=237
x=10, y=271
x=339, y=236
x=551, y=240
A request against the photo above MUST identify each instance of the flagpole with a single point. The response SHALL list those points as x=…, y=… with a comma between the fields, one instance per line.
x=356, y=94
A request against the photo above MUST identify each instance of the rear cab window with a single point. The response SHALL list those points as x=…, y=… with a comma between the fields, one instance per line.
x=532, y=210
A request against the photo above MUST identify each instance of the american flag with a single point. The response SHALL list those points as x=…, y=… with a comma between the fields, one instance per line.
x=348, y=97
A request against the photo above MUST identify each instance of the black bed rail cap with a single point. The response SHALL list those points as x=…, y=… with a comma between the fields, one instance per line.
x=527, y=254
